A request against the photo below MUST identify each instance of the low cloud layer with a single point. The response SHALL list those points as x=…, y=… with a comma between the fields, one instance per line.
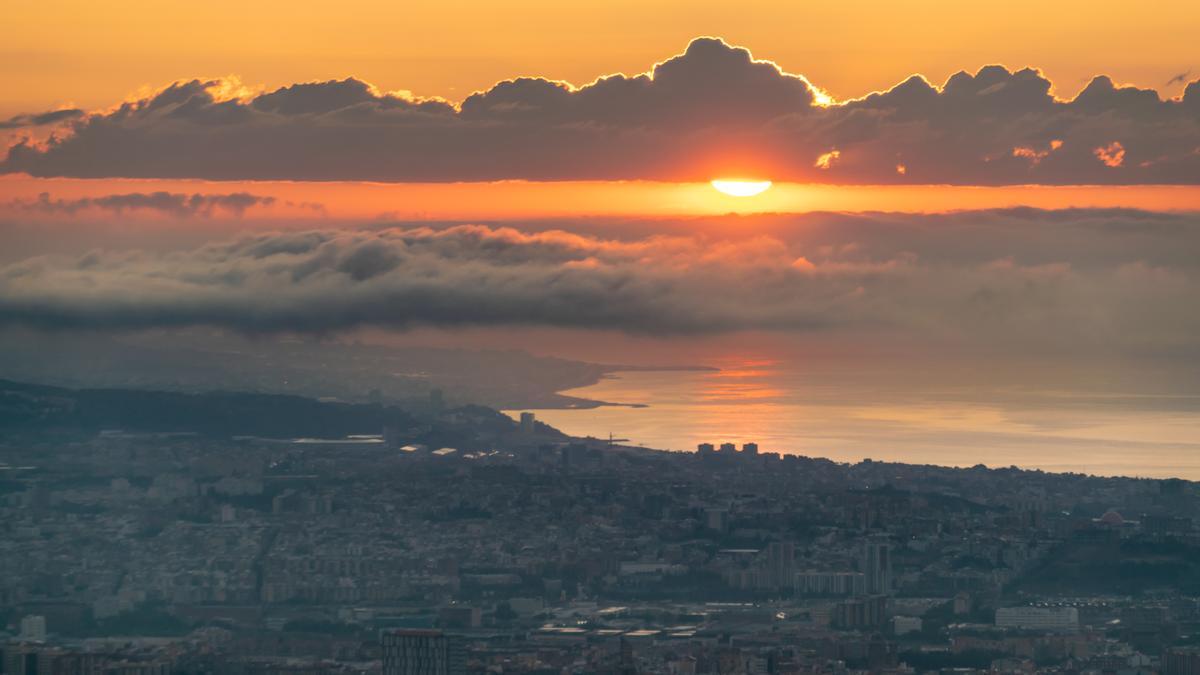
x=169, y=203
x=1023, y=279
x=709, y=112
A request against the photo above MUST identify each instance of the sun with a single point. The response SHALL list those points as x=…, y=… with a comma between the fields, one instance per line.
x=741, y=188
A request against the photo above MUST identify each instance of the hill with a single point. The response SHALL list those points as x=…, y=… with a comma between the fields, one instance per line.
x=32, y=407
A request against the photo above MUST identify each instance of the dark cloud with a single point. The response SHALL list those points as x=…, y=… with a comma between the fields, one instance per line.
x=171, y=203
x=710, y=111
x=41, y=119
x=1180, y=78
x=1020, y=279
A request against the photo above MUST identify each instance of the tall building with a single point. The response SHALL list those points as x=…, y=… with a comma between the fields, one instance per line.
x=1181, y=661
x=421, y=652
x=750, y=448
x=781, y=564
x=528, y=423
x=706, y=448
x=877, y=566
x=19, y=660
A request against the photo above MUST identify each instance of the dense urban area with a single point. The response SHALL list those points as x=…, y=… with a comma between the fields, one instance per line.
x=258, y=534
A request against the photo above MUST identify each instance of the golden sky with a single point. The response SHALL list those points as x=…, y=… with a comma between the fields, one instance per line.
x=89, y=54
x=303, y=203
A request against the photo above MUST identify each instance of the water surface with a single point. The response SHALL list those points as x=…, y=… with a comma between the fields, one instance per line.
x=901, y=414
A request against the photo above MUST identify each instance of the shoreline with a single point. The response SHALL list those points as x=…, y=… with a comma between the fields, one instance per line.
x=559, y=401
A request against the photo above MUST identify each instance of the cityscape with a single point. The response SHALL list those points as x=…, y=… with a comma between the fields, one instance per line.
x=521, y=550
x=636, y=337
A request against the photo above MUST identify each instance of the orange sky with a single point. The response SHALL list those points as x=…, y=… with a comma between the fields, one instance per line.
x=89, y=54
x=521, y=199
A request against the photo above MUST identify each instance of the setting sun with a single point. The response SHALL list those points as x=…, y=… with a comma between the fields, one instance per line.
x=741, y=188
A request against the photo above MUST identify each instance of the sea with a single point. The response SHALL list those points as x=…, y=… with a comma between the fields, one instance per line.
x=899, y=414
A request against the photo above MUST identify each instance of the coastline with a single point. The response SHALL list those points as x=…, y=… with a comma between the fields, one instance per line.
x=557, y=400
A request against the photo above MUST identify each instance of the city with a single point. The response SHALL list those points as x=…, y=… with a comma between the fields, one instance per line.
x=636, y=337
x=526, y=551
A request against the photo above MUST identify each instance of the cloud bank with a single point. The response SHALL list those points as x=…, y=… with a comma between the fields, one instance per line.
x=1015, y=279
x=168, y=203
x=709, y=112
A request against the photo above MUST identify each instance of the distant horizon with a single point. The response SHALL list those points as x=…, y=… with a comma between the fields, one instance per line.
x=293, y=205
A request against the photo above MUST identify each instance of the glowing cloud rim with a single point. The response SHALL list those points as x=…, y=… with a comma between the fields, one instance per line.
x=709, y=110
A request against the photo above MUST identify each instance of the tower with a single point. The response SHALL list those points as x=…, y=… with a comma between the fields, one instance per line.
x=877, y=566
x=781, y=564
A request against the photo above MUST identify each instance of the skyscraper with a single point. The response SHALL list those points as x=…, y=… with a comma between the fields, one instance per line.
x=421, y=652
x=781, y=564
x=877, y=566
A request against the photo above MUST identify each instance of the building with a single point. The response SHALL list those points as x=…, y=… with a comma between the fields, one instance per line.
x=781, y=564
x=706, y=448
x=41, y=660
x=750, y=448
x=1064, y=619
x=830, y=583
x=902, y=625
x=1166, y=525
x=33, y=628
x=528, y=423
x=421, y=652
x=1181, y=661
x=728, y=448
x=877, y=566
x=460, y=616
x=963, y=603
x=19, y=660
x=859, y=613
x=716, y=519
